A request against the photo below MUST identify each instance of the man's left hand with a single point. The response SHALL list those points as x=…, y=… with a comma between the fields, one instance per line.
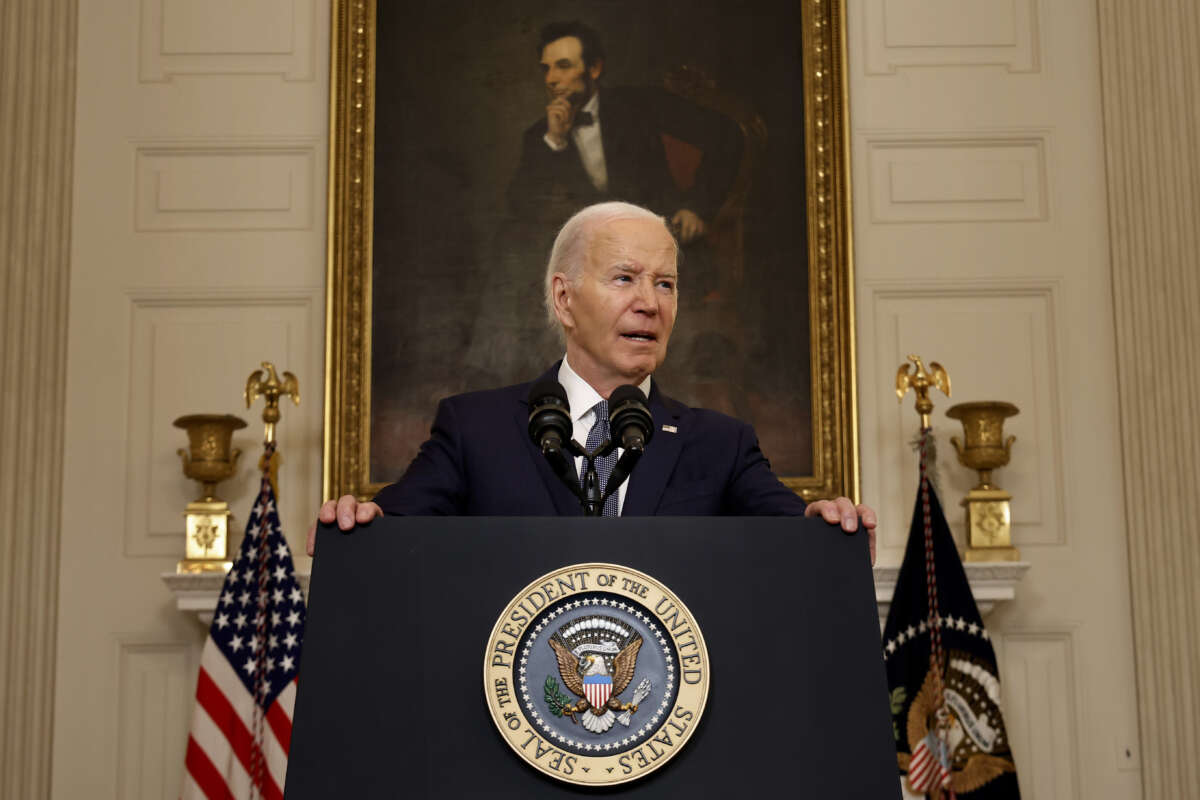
x=687, y=225
x=843, y=511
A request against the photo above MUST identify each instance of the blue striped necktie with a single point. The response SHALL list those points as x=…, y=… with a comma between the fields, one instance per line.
x=604, y=466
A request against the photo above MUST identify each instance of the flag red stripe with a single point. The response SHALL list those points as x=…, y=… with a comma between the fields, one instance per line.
x=279, y=721
x=226, y=718
x=204, y=773
x=919, y=768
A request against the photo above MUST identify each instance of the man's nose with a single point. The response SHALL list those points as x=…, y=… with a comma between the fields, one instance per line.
x=645, y=298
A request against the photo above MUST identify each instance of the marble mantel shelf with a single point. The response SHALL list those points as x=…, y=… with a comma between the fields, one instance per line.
x=196, y=593
x=991, y=583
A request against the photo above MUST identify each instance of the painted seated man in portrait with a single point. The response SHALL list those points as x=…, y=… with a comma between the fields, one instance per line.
x=638, y=144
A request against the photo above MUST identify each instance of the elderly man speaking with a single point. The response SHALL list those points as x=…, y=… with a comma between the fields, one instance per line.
x=612, y=288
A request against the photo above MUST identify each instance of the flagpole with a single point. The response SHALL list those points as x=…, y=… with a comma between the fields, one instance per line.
x=265, y=383
x=921, y=380
x=249, y=666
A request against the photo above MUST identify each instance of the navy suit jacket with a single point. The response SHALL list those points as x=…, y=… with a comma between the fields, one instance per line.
x=479, y=460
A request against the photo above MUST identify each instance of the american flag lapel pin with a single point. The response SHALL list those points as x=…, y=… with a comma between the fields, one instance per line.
x=670, y=429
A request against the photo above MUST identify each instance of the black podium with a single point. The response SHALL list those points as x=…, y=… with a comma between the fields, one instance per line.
x=391, y=700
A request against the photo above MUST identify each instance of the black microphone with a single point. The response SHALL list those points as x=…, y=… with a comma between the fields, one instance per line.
x=629, y=420
x=550, y=427
x=630, y=423
x=550, y=424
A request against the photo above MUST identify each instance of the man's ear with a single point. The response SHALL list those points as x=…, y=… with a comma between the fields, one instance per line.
x=596, y=69
x=560, y=290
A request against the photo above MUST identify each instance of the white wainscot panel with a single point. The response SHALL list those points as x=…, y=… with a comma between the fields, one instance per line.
x=222, y=37
x=156, y=683
x=198, y=186
x=998, y=341
x=951, y=33
x=1040, y=710
x=191, y=354
x=977, y=178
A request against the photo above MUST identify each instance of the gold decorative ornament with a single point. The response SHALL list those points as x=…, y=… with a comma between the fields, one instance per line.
x=209, y=458
x=596, y=674
x=920, y=381
x=989, y=508
x=265, y=383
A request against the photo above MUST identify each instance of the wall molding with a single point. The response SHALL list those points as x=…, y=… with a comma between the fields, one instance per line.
x=1050, y=291
x=143, y=538
x=225, y=184
x=952, y=33
x=1063, y=749
x=172, y=41
x=156, y=682
x=976, y=176
x=37, y=112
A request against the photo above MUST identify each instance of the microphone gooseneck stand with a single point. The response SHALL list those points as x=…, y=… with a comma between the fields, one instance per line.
x=549, y=428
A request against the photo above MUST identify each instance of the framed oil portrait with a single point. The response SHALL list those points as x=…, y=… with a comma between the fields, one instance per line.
x=443, y=209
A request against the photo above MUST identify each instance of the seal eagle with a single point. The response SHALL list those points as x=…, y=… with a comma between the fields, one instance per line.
x=597, y=657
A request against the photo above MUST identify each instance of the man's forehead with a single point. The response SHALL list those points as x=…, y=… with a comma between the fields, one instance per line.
x=568, y=47
x=645, y=243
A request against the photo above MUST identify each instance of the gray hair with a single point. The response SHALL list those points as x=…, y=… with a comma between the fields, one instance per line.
x=569, y=254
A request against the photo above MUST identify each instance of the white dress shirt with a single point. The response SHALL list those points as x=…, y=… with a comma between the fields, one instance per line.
x=582, y=397
x=589, y=145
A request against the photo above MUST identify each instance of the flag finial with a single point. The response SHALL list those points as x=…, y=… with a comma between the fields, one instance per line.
x=265, y=383
x=920, y=380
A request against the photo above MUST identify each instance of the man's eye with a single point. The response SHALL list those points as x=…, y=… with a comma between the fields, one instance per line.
x=668, y=285
x=624, y=279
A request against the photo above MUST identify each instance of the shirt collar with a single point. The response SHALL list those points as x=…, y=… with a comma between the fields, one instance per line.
x=592, y=106
x=580, y=394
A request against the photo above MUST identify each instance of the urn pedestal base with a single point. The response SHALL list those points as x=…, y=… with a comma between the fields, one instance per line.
x=989, y=526
x=207, y=537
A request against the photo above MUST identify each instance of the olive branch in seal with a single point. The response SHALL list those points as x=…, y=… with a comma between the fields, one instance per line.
x=557, y=701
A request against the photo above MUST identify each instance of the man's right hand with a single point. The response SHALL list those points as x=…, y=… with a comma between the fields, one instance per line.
x=560, y=116
x=347, y=511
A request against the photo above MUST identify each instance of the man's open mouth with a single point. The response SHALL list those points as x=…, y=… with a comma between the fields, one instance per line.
x=640, y=336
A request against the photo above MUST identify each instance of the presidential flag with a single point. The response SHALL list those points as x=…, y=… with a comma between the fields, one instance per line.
x=242, y=724
x=941, y=668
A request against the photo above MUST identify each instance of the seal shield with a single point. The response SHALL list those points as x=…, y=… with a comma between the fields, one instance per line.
x=596, y=674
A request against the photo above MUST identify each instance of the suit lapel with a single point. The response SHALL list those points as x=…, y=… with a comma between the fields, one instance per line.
x=649, y=477
x=565, y=505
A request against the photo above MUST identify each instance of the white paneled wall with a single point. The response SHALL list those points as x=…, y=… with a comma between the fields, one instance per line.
x=981, y=242
x=198, y=251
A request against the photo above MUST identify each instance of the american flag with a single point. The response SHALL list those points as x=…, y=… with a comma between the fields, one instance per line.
x=239, y=748
x=930, y=765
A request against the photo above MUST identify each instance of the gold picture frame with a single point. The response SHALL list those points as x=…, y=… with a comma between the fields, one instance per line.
x=349, y=301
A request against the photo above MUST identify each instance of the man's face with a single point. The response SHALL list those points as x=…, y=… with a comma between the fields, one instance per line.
x=618, y=318
x=565, y=73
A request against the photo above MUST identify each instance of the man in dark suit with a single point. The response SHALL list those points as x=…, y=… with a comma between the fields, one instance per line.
x=611, y=286
x=598, y=144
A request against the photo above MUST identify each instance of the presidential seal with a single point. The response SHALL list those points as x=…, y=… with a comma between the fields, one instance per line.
x=596, y=674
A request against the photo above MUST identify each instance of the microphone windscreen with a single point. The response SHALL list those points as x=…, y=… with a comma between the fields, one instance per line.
x=625, y=394
x=543, y=390
x=628, y=416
